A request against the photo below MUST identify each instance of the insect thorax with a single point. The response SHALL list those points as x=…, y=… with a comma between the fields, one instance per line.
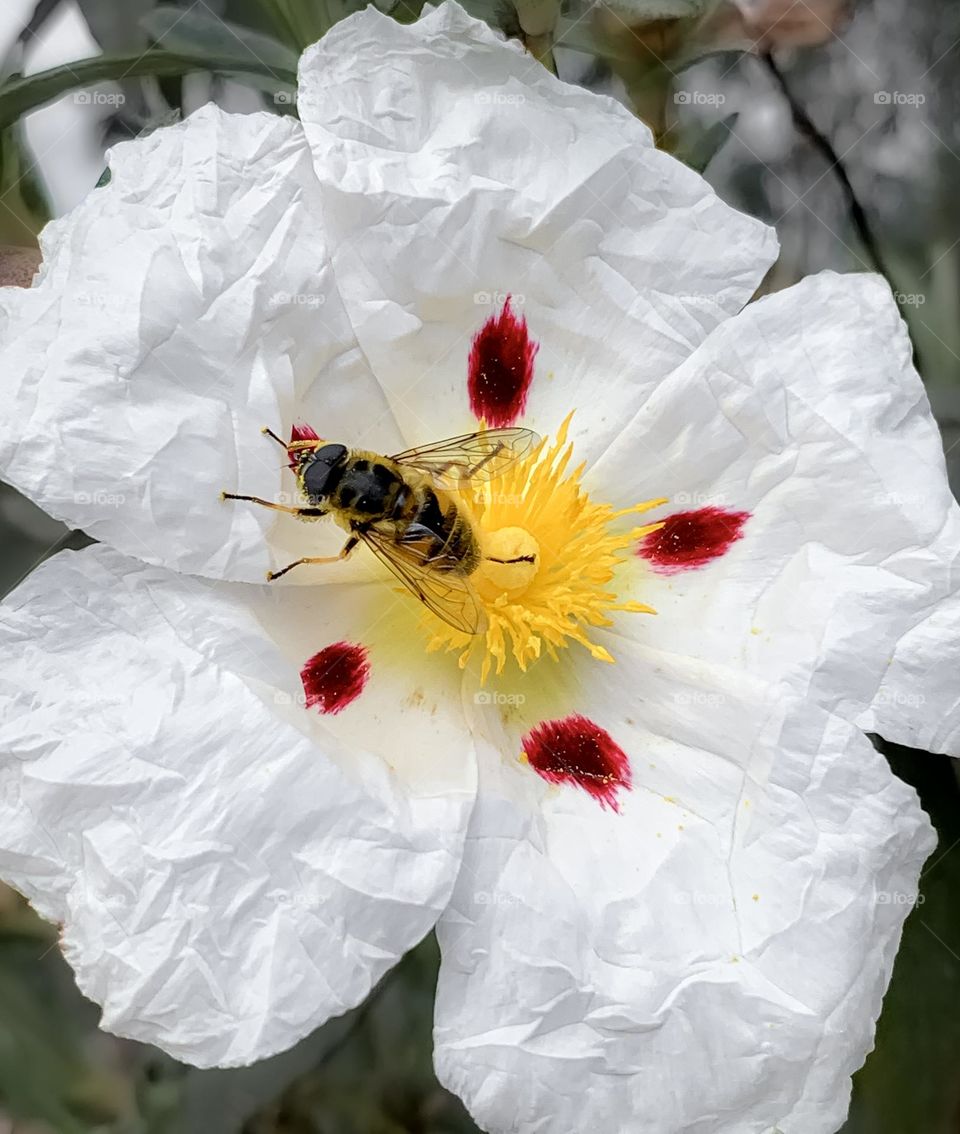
x=368, y=488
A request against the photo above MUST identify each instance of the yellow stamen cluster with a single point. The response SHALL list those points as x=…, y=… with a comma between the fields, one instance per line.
x=549, y=553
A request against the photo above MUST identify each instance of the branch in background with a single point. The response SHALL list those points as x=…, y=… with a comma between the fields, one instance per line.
x=805, y=126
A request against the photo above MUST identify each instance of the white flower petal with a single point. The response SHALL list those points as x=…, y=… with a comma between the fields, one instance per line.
x=711, y=960
x=457, y=170
x=230, y=869
x=181, y=307
x=918, y=702
x=806, y=412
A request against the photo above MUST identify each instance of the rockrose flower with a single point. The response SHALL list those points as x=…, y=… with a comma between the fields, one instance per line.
x=667, y=869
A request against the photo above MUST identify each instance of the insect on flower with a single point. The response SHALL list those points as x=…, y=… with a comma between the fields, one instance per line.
x=403, y=508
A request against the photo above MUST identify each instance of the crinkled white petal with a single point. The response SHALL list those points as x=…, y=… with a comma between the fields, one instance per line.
x=457, y=170
x=711, y=960
x=918, y=702
x=805, y=411
x=180, y=308
x=230, y=868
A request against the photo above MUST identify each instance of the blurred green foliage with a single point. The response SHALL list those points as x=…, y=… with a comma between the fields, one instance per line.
x=910, y=1084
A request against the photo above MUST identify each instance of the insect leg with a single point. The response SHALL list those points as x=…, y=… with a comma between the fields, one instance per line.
x=275, y=507
x=344, y=552
x=485, y=459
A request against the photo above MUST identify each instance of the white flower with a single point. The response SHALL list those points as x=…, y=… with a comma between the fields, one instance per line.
x=678, y=911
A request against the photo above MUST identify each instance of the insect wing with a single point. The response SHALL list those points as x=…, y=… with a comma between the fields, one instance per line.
x=448, y=595
x=472, y=456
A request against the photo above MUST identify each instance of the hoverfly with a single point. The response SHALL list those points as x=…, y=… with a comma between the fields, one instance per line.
x=402, y=509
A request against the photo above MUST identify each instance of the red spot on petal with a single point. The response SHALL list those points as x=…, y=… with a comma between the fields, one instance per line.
x=303, y=432
x=300, y=432
x=501, y=368
x=576, y=751
x=335, y=677
x=689, y=540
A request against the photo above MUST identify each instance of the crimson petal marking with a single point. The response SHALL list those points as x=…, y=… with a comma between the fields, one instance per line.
x=303, y=432
x=335, y=677
x=689, y=540
x=501, y=368
x=300, y=431
x=575, y=750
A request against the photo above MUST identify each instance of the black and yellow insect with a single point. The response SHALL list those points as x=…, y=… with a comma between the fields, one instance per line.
x=403, y=509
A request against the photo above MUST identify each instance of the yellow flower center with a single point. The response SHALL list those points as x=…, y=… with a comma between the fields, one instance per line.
x=549, y=554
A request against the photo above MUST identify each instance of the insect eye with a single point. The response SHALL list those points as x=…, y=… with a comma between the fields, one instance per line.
x=323, y=470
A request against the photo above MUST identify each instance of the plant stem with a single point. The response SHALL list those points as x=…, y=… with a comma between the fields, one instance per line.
x=806, y=127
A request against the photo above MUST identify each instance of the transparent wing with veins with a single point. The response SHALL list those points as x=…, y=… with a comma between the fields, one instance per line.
x=472, y=456
x=434, y=581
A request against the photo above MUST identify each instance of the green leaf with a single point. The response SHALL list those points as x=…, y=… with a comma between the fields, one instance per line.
x=197, y=32
x=262, y=15
x=26, y=94
x=116, y=27
x=26, y=209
